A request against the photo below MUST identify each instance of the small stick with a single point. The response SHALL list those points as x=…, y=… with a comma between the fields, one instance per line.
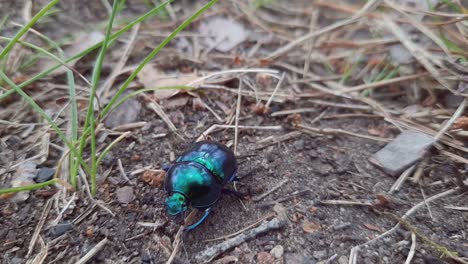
x=412, y=249
x=93, y=251
x=210, y=253
x=399, y=182
x=275, y=90
x=291, y=196
x=460, y=208
x=343, y=202
x=260, y=197
x=39, y=226
x=242, y=230
x=355, y=249
x=129, y=126
x=178, y=237
x=333, y=131
x=122, y=172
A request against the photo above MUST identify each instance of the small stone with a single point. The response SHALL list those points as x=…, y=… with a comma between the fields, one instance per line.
x=319, y=254
x=108, y=159
x=343, y=260
x=268, y=247
x=125, y=194
x=277, y=251
x=296, y=258
x=264, y=258
x=402, y=152
x=44, y=174
x=127, y=112
x=60, y=229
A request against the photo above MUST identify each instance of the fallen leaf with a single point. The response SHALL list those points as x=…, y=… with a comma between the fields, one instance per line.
x=310, y=227
x=125, y=113
x=222, y=33
x=372, y=227
x=81, y=43
x=176, y=102
x=151, y=77
x=461, y=122
x=154, y=178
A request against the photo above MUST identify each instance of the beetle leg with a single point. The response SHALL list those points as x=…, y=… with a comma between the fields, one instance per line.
x=166, y=167
x=234, y=177
x=207, y=212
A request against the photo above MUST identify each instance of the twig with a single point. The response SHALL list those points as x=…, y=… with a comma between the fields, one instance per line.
x=122, y=172
x=153, y=105
x=42, y=255
x=343, y=202
x=333, y=131
x=243, y=229
x=455, y=116
x=275, y=90
x=412, y=249
x=178, y=237
x=93, y=251
x=459, y=208
x=399, y=182
x=412, y=210
x=291, y=196
x=366, y=8
x=39, y=226
x=260, y=197
x=210, y=253
x=236, y=122
x=216, y=126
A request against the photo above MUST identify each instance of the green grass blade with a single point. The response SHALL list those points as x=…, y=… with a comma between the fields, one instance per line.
x=28, y=187
x=25, y=29
x=43, y=114
x=129, y=26
x=153, y=53
x=96, y=76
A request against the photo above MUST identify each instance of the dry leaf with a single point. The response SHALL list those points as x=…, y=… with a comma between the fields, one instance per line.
x=222, y=33
x=154, y=178
x=151, y=77
x=310, y=227
x=80, y=44
x=372, y=227
x=461, y=122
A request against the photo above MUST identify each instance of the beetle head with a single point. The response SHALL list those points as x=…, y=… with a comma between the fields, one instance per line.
x=176, y=204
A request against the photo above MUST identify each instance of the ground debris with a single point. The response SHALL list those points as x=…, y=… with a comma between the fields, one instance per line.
x=212, y=252
x=402, y=152
x=125, y=194
x=126, y=113
x=223, y=34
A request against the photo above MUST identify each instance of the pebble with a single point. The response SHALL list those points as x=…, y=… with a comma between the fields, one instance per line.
x=296, y=258
x=343, y=260
x=60, y=229
x=127, y=112
x=319, y=254
x=277, y=251
x=125, y=194
x=44, y=174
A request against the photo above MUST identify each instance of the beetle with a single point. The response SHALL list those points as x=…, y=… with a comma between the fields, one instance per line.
x=198, y=177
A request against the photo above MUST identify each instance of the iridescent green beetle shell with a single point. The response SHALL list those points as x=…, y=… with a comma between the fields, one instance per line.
x=201, y=172
x=217, y=158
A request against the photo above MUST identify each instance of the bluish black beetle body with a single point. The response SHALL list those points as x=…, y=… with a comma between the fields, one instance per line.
x=197, y=178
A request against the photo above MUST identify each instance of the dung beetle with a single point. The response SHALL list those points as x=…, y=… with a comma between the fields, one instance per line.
x=198, y=177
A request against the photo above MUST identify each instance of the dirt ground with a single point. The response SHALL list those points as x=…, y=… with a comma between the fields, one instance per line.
x=320, y=166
